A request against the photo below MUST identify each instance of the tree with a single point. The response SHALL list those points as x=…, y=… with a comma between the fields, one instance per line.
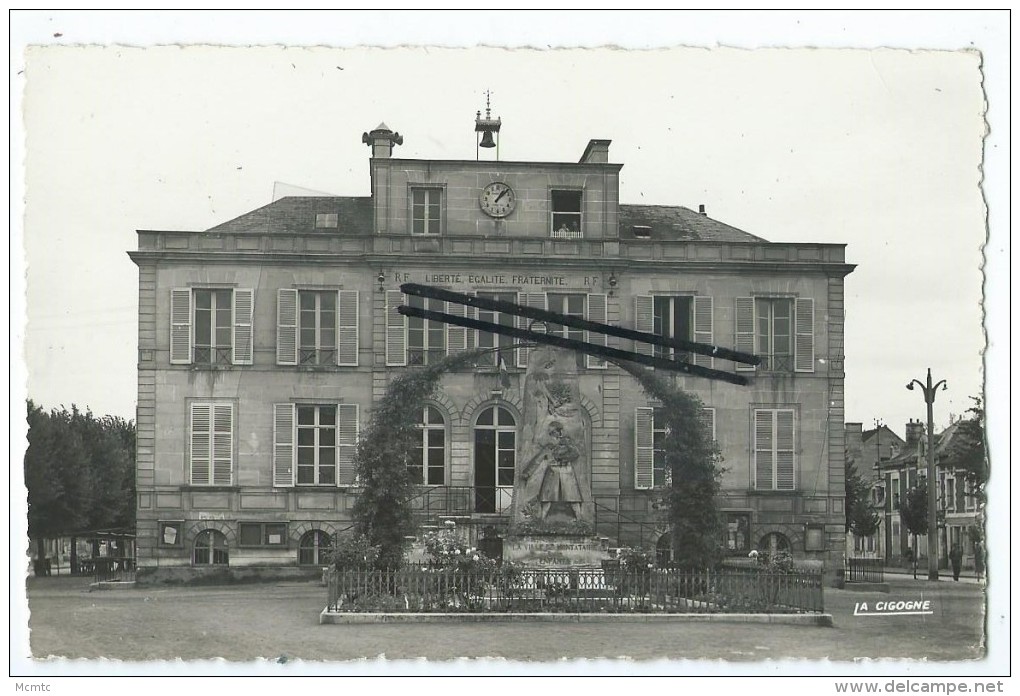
x=965, y=451
x=692, y=465
x=861, y=517
x=79, y=472
x=914, y=511
x=382, y=512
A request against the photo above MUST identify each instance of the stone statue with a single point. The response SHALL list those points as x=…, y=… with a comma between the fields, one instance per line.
x=553, y=481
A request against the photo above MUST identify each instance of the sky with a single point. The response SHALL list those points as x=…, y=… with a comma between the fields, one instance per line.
x=877, y=145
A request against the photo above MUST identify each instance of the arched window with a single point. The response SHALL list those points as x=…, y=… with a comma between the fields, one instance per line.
x=774, y=543
x=429, y=463
x=495, y=459
x=314, y=548
x=210, y=548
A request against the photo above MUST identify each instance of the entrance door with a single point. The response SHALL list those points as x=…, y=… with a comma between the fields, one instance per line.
x=495, y=459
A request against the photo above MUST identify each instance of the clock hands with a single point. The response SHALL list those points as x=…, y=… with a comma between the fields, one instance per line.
x=503, y=193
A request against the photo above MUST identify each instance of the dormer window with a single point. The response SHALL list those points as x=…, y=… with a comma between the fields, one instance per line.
x=566, y=214
x=325, y=221
x=642, y=231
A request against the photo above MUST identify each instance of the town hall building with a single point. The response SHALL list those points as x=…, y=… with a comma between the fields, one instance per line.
x=264, y=343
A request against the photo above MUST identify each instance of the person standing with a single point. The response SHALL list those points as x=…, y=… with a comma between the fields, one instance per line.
x=956, y=560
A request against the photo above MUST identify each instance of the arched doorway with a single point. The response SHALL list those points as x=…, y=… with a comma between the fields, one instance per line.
x=664, y=550
x=495, y=459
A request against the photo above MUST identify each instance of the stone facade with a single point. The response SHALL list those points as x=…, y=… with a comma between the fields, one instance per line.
x=219, y=446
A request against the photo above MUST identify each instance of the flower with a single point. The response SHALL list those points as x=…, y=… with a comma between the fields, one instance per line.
x=649, y=565
x=474, y=558
x=456, y=552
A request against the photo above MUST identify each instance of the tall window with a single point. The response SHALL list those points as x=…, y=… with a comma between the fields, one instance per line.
x=210, y=548
x=314, y=548
x=426, y=211
x=672, y=318
x=316, y=445
x=213, y=326
x=429, y=464
x=426, y=339
x=317, y=327
x=566, y=214
x=571, y=305
x=495, y=459
x=775, y=333
x=486, y=339
x=774, y=449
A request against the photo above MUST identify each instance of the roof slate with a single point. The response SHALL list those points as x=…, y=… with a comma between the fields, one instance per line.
x=676, y=223
x=296, y=215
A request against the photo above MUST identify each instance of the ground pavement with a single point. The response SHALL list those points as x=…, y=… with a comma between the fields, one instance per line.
x=279, y=622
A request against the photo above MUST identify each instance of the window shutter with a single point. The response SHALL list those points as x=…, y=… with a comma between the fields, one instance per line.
x=223, y=444
x=703, y=329
x=804, y=320
x=201, y=443
x=283, y=444
x=530, y=299
x=745, y=330
x=244, y=308
x=784, y=450
x=763, y=450
x=708, y=419
x=347, y=443
x=180, y=326
x=643, y=447
x=286, y=326
x=396, y=330
x=644, y=321
x=597, y=310
x=347, y=328
x=456, y=336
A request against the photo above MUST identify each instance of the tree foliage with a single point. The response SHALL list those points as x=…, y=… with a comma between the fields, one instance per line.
x=861, y=517
x=692, y=460
x=914, y=509
x=79, y=472
x=965, y=452
x=382, y=512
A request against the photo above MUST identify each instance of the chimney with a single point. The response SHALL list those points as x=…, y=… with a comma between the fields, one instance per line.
x=915, y=429
x=701, y=209
x=854, y=438
x=382, y=140
x=597, y=152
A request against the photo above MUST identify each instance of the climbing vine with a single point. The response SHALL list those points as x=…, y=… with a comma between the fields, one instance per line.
x=382, y=512
x=692, y=458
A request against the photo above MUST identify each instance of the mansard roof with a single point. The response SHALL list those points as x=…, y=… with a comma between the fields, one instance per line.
x=676, y=223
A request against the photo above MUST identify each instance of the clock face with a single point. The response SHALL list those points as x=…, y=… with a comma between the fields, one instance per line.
x=498, y=199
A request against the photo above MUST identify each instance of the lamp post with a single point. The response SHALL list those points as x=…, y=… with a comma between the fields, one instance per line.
x=929, y=390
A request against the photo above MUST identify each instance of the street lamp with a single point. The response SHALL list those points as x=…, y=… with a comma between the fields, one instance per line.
x=929, y=398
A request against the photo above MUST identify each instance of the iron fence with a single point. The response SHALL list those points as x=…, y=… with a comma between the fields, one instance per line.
x=865, y=570
x=113, y=569
x=418, y=588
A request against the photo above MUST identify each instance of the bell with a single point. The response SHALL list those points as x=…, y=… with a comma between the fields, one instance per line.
x=487, y=140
